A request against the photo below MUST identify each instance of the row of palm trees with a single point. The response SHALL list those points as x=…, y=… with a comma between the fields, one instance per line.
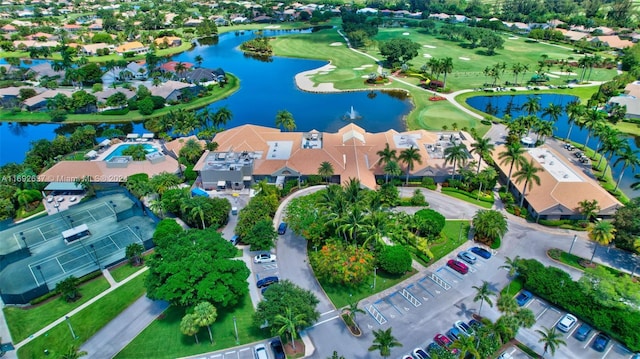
x=390, y=159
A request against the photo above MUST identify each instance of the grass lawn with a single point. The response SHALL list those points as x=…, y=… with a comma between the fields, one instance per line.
x=218, y=94
x=86, y=323
x=468, y=199
x=163, y=339
x=24, y=322
x=122, y=271
x=512, y=289
x=433, y=115
x=342, y=296
x=628, y=127
x=574, y=261
x=454, y=234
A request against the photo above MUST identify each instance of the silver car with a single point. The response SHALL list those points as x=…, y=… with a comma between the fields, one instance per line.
x=566, y=323
x=467, y=257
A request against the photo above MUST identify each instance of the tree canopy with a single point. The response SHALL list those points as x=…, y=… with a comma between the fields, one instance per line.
x=399, y=50
x=281, y=296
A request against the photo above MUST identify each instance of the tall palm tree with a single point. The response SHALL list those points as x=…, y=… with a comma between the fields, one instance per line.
x=629, y=158
x=353, y=310
x=410, y=157
x=383, y=342
x=606, y=136
x=393, y=169
x=73, y=353
x=602, y=233
x=612, y=146
x=467, y=346
x=544, y=129
x=507, y=304
x=189, y=327
x=198, y=59
x=575, y=111
x=446, y=66
x=205, y=314
x=483, y=148
x=284, y=119
x=553, y=112
x=590, y=121
x=290, y=323
x=531, y=106
x=513, y=155
x=529, y=174
x=511, y=265
x=222, y=116
x=455, y=154
x=325, y=170
x=551, y=339
x=386, y=155
x=483, y=294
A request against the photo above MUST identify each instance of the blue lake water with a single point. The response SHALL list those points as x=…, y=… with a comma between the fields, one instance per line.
x=265, y=89
x=501, y=105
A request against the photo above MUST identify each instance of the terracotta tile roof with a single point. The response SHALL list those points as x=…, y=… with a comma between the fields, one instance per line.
x=176, y=145
x=553, y=197
x=129, y=46
x=614, y=41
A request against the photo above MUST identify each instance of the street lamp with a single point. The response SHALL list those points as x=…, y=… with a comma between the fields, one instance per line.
x=42, y=275
x=93, y=248
x=235, y=326
x=375, y=276
x=575, y=236
x=73, y=334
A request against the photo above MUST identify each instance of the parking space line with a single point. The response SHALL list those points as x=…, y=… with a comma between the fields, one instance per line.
x=244, y=349
x=472, y=269
x=445, y=269
x=409, y=296
x=325, y=321
x=425, y=289
x=607, y=351
x=327, y=312
x=575, y=327
x=589, y=340
x=440, y=281
x=375, y=313
x=388, y=300
x=216, y=356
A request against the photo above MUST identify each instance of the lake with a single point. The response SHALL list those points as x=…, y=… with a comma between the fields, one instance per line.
x=503, y=104
x=265, y=89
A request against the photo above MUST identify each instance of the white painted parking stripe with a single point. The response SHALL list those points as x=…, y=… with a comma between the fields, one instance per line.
x=589, y=340
x=325, y=321
x=229, y=353
x=575, y=327
x=327, y=312
x=607, y=351
x=541, y=313
x=244, y=349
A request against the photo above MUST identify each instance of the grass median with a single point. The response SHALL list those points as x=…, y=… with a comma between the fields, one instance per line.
x=24, y=322
x=85, y=323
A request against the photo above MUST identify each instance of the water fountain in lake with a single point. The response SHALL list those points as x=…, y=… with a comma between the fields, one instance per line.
x=351, y=115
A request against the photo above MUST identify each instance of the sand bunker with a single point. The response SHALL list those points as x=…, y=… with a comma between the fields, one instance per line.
x=429, y=46
x=553, y=76
x=272, y=27
x=323, y=73
x=513, y=38
x=464, y=58
x=365, y=76
x=405, y=33
x=427, y=55
x=367, y=65
x=358, y=68
x=564, y=73
x=335, y=44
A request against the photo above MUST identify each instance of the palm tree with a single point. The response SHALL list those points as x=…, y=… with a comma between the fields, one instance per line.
x=591, y=120
x=602, y=233
x=551, y=339
x=290, y=324
x=531, y=106
x=446, y=66
x=222, y=116
x=198, y=59
x=628, y=158
x=410, y=157
x=180, y=68
x=553, y=112
x=511, y=265
x=483, y=148
x=189, y=327
x=575, y=111
x=612, y=146
x=455, y=154
x=483, y=294
x=325, y=170
x=386, y=155
x=513, y=155
x=383, y=342
x=285, y=120
x=544, y=129
x=466, y=345
x=73, y=353
x=393, y=169
x=205, y=314
x=507, y=304
x=353, y=310
x=606, y=136
x=527, y=173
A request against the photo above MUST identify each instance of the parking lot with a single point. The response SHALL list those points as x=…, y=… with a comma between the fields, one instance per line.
x=263, y=270
x=241, y=352
x=547, y=316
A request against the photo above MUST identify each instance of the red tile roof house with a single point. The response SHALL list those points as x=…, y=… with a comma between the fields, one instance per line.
x=171, y=66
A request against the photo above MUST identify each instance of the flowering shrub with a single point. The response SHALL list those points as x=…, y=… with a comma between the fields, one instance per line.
x=341, y=263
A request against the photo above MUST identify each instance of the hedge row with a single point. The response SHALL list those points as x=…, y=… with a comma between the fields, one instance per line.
x=557, y=287
x=482, y=198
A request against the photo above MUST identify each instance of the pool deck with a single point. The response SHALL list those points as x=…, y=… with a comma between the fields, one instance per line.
x=102, y=156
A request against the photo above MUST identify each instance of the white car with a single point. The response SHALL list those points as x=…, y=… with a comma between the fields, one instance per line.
x=464, y=328
x=566, y=323
x=260, y=351
x=264, y=258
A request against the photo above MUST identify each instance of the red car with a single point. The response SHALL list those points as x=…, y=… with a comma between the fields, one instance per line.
x=458, y=266
x=444, y=342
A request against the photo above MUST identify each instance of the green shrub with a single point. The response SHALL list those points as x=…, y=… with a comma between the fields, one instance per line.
x=118, y=112
x=429, y=183
x=394, y=259
x=146, y=106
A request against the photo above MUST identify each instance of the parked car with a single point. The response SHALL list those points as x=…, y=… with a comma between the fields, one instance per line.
x=481, y=252
x=260, y=352
x=467, y=257
x=464, y=328
x=264, y=258
x=282, y=228
x=583, y=331
x=524, y=297
x=458, y=266
x=278, y=350
x=420, y=354
x=407, y=357
x=442, y=340
x=267, y=281
x=505, y=355
x=454, y=333
x=475, y=324
x=600, y=342
x=566, y=323
x=431, y=348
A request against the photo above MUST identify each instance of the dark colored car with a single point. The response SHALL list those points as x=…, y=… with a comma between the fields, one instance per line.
x=523, y=298
x=475, y=324
x=583, y=331
x=278, y=350
x=481, y=252
x=458, y=266
x=420, y=354
x=267, y=281
x=282, y=228
x=600, y=342
x=432, y=348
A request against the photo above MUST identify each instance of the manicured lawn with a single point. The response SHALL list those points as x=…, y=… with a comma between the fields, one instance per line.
x=433, y=115
x=574, y=261
x=342, y=296
x=86, y=323
x=628, y=127
x=467, y=198
x=123, y=271
x=513, y=289
x=24, y=322
x=163, y=339
x=454, y=234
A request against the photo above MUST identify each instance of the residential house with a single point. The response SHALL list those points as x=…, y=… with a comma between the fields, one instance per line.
x=103, y=95
x=9, y=96
x=251, y=153
x=612, y=41
x=135, y=47
x=240, y=20
x=96, y=26
x=633, y=89
x=204, y=75
x=367, y=11
x=33, y=43
x=170, y=41
x=632, y=104
x=192, y=22
x=220, y=21
x=92, y=49
x=573, y=36
x=72, y=27
x=605, y=31
x=41, y=36
x=263, y=19
x=170, y=90
x=44, y=70
x=40, y=101
x=171, y=66
x=8, y=28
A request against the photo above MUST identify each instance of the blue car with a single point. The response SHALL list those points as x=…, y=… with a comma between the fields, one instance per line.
x=282, y=228
x=481, y=252
x=601, y=342
x=523, y=298
x=583, y=332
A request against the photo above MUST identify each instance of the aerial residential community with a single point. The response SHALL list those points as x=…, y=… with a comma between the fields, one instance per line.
x=270, y=180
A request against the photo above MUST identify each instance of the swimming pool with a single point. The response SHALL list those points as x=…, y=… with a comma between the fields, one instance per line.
x=118, y=150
